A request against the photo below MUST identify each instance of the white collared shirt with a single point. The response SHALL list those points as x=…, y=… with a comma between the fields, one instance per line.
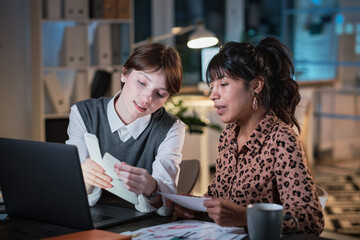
x=167, y=160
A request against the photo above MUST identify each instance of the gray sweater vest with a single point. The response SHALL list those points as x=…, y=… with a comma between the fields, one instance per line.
x=140, y=152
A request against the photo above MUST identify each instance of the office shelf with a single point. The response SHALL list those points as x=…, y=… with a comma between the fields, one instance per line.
x=70, y=50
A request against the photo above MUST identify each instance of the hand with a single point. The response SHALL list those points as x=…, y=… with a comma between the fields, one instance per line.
x=183, y=212
x=137, y=180
x=94, y=175
x=226, y=213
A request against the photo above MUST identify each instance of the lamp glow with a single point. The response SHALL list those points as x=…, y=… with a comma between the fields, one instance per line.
x=202, y=42
x=202, y=38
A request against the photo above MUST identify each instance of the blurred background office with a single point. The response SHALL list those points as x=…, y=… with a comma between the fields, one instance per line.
x=324, y=36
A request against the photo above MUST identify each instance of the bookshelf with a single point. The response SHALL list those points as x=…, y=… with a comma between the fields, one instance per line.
x=73, y=40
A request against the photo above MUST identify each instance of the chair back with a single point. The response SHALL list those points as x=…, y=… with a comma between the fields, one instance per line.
x=189, y=172
x=323, y=196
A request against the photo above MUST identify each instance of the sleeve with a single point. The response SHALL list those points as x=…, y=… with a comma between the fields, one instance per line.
x=166, y=167
x=297, y=190
x=76, y=130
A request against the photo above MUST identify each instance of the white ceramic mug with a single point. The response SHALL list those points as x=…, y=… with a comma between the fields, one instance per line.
x=264, y=221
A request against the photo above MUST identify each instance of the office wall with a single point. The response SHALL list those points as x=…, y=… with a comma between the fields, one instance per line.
x=15, y=82
x=340, y=137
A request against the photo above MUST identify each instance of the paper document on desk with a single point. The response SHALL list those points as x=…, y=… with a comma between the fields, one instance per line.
x=189, y=202
x=188, y=229
x=107, y=163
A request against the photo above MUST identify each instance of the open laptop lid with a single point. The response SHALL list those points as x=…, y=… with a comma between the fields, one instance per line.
x=43, y=181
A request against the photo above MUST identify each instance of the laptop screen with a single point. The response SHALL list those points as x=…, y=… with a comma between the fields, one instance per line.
x=43, y=181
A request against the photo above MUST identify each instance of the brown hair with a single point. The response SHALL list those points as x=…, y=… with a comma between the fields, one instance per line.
x=155, y=57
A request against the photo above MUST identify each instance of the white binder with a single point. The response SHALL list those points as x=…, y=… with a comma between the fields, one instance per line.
x=80, y=45
x=81, y=88
x=75, y=46
x=104, y=45
x=53, y=9
x=69, y=46
x=76, y=9
x=56, y=94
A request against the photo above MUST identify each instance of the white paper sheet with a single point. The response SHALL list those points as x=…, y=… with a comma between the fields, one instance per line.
x=92, y=144
x=107, y=163
x=118, y=188
x=189, y=202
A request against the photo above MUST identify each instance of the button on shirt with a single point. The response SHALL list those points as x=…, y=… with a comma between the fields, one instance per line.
x=165, y=166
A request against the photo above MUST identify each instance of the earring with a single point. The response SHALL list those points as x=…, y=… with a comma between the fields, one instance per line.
x=254, y=101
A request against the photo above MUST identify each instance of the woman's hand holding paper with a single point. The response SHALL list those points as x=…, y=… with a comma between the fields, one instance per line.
x=183, y=212
x=225, y=213
x=137, y=180
x=94, y=175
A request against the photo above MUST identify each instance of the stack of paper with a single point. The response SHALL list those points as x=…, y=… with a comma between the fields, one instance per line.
x=188, y=229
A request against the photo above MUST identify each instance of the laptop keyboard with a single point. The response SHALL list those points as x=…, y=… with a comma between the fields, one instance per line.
x=99, y=218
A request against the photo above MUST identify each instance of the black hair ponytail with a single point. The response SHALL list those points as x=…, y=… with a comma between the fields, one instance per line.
x=271, y=60
x=282, y=91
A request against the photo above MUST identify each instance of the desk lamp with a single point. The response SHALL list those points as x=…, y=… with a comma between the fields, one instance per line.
x=200, y=38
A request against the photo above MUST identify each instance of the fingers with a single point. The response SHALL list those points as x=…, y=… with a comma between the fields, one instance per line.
x=215, y=207
x=183, y=212
x=142, y=176
x=137, y=180
x=95, y=175
x=127, y=168
x=212, y=203
x=225, y=213
x=133, y=175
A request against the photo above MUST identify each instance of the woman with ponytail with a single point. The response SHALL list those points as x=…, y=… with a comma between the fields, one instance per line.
x=261, y=159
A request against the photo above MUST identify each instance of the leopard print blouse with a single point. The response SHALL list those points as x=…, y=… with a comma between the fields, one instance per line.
x=270, y=168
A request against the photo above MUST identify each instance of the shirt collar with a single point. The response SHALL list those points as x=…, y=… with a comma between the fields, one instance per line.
x=258, y=137
x=135, y=128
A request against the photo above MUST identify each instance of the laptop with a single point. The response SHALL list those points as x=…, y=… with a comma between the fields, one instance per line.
x=43, y=181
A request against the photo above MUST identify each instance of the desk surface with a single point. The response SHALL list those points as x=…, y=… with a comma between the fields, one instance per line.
x=16, y=228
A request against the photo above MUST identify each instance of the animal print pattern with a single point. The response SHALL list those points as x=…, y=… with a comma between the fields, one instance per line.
x=270, y=168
